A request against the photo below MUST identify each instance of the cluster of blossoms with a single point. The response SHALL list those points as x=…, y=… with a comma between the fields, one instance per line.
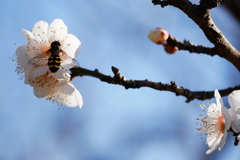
x=33, y=59
x=219, y=120
x=50, y=52
x=160, y=36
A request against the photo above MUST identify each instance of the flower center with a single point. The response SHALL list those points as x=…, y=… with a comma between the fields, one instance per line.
x=45, y=80
x=221, y=123
x=213, y=124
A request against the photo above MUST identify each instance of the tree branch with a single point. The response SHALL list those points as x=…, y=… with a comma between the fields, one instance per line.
x=161, y=2
x=118, y=78
x=200, y=14
x=209, y=4
x=187, y=45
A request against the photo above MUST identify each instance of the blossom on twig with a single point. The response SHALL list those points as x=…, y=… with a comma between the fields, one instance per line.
x=215, y=124
x=234, y=101
x=46, y=59
x=158, y=35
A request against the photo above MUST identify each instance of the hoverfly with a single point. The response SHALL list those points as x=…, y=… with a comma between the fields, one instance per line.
x=53, y=58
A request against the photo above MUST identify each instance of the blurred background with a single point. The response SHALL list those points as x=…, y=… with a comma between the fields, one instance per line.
x=114, y=123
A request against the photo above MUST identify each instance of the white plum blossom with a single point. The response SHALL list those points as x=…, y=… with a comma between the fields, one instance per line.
x=215, y=124
x=57, y=86
x=234, y=101
x=158, y=35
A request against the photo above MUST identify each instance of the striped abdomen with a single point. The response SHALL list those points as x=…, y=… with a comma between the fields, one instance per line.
x=54, y=62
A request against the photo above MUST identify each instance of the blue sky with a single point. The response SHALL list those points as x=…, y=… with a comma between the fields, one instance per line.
x=114, y=123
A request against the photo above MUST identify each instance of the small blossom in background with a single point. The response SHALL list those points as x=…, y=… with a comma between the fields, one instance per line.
x=34, y=62
x=215, y=124
x=158, y=35
x=234, y=101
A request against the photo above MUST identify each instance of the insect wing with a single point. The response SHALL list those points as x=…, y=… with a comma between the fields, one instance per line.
x=74, y=61
x=67, y=61
x=40, y=59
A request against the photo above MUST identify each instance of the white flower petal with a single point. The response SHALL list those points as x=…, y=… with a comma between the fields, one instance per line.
x=213, y=109
x=28, y=71
x=223, y=141
x=40, y=30
x=234, y=100
x=57, y=30
x=38, y=71
x=68, y=63
x=42, y=92
x=235, y=120
x=61, y=74
x=216, y=124
x=212, y=141
x=219, y=100
x=71, y=45
x=210, y=150
x=213, y=144
x=227, y=118
x=22, y=58
x=72, y=96
x=46, y=85
x=34, y=46
x=27, y=35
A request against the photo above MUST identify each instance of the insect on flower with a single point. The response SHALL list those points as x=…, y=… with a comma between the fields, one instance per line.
x=46, y=59
x=53, y=57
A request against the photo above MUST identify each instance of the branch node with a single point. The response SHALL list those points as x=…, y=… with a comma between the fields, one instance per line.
x=209, y=4
x=173, y=84
x=161, y=86
x=189, y=99
x=115, y=70
x=96, y=70
x=163, y=3
x=188, y=95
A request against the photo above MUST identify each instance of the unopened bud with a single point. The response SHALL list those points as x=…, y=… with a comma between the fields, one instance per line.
x=170, y=49
x=158, y=35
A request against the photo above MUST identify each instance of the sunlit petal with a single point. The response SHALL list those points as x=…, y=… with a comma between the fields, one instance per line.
x=49, y=76
x=42, y=92
x=61, y=74
x=38, y=71
x=57, y=30
x=234, y=100
x=215, y=124
x=22, y=57
x=40, y=30
x=219, y=100
x=72, y=96
x=71, y=45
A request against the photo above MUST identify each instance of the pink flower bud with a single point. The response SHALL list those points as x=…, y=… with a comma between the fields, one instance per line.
x=170, y=49
x=158, y=35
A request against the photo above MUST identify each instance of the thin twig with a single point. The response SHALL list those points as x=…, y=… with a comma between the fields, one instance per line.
x=192, y=48
x=200, y=14
x=118, y=78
